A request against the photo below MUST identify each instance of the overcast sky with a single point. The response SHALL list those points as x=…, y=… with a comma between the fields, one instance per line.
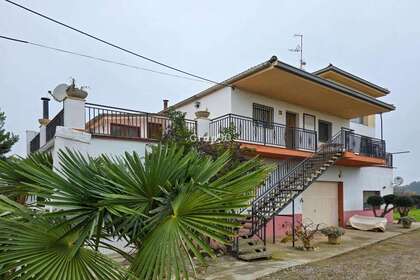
x=377, y=40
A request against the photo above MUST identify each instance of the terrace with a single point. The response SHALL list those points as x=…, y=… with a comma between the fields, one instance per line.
x=268, y=138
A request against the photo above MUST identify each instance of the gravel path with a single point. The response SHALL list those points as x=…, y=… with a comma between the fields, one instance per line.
x=395, y=258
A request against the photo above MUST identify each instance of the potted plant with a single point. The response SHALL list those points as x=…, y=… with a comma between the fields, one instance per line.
x=407, y=221
x=202, y=114
x=305, y=232
x=334, y=234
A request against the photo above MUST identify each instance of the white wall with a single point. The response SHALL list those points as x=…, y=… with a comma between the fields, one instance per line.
x=355, y=181
x=217, y=103
x=363, y=129
x=359, y=179
x=94, y=146
x=115, y=147
x=242, y=105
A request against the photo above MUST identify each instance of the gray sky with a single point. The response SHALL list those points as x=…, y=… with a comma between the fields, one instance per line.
x=378, y=40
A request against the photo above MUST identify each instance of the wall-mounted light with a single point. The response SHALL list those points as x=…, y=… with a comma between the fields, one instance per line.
x=197, y=104
x=340, y=173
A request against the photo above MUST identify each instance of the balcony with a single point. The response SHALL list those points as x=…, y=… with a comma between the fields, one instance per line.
x=279, y=141
x=113, y=122
x=264, y=136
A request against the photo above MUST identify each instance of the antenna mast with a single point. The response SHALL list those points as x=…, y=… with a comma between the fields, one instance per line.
x=299, y=49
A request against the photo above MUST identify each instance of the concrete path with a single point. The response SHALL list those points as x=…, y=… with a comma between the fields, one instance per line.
x=284, y=256
x=396, y=258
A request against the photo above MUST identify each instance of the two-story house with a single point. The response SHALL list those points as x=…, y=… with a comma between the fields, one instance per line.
x=286, y=114
x=317, y=128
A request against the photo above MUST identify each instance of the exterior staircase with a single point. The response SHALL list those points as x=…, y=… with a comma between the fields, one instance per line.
x=272, y=197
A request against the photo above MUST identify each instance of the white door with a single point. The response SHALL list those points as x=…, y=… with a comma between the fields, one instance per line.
x=320, y=203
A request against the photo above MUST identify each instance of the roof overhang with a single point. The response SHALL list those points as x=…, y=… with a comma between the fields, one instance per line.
x=292, y=85
x=281, y=81
x=347, y=79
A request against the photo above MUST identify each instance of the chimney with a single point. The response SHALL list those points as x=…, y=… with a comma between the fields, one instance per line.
x=45, y=108
x=165, y=104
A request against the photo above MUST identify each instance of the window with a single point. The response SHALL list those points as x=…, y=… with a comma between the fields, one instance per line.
x=154, y=130
x=324, y=131
x=122, y=130
x=360, y=120
x=366, y=195
x=308, y=121
x=262, y=115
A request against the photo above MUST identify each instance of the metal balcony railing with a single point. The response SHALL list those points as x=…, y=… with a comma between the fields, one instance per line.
x=116, y=122
x=364, y=145
x=266, y=133
x=34, y=145
x=58, y=120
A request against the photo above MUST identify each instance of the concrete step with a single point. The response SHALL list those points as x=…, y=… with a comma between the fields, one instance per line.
x=251, y=249
x=248, y=242
x=255, y=256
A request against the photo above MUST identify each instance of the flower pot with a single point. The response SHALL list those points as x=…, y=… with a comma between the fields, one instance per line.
x=202, y=114
x=332, y=239
x=406, y=224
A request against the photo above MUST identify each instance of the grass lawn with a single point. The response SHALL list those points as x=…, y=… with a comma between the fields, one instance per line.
x=415, y=213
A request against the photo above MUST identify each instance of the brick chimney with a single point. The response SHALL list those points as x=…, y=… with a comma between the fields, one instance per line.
x=165, y=104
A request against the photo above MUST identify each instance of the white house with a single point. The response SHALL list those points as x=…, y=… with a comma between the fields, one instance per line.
x=319, y=128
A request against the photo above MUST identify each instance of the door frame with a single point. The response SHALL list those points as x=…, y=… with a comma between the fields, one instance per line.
x=290, y=139
x=340, y=201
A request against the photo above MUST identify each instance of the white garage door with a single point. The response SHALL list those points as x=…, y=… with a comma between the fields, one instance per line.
x=320, y=203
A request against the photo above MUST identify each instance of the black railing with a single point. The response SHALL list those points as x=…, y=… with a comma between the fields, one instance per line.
x=123, y=123
x=364, y=145
x=266, y=133
x=58, y=120
x=295, y=181
x=34, y=145
x=282, y=169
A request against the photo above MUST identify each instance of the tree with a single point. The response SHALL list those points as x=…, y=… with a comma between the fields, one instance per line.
x=376, y=202
x=178, y=133
x=7, y=139
x=165, y=206
x=404, y=205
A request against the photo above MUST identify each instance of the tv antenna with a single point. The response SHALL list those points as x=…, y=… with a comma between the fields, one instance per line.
x=299, y=49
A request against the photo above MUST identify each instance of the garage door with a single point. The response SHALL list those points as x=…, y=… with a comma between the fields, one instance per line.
x=320, y=203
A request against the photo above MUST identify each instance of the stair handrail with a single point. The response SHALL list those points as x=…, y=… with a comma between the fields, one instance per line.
x=331, y=141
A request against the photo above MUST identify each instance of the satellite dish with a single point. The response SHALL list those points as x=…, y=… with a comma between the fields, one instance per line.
x=60, y=92
x=398, y=181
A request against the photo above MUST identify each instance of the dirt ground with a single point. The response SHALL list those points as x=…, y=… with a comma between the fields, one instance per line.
x=395, y=258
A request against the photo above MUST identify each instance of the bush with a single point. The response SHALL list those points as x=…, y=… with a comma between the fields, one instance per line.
x=375, y=201
x=333, y=231
x=403, y=205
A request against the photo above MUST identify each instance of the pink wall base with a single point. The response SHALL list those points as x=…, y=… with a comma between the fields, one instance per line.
x=283, y=225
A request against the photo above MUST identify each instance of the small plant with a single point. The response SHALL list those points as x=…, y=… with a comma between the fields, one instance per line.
x=333, y=233
x=305, y=232
x=407, y=221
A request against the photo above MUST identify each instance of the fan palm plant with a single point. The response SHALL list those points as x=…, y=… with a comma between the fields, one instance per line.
x=166, y=205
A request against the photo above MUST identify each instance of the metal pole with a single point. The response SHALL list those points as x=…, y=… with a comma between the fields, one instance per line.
x=293, y=222
x=382, y=128
x=301, y=51
x=274, y=229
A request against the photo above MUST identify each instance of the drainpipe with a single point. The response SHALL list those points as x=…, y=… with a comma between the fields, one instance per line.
x=382, y=127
